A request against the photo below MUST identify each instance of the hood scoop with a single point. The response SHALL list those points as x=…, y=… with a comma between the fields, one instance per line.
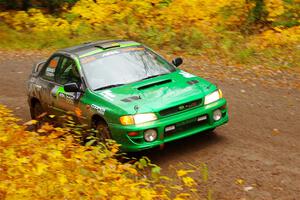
x=130, y=99
x=154, y=84
x=192, y=82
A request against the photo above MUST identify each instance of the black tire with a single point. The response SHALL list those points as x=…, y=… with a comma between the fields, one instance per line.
x=210, y=131
x=37, y=113
x=103, y=132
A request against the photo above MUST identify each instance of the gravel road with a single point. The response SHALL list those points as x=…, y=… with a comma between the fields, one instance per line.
x=260, y=144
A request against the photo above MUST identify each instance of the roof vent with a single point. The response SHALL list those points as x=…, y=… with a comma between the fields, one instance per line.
x=107, y=45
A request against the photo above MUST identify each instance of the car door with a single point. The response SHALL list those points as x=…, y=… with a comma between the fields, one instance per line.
x=46, y=83
x=67, y=102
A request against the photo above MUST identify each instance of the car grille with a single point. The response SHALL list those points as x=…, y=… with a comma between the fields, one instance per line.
x=180, y=108
x=186, y=125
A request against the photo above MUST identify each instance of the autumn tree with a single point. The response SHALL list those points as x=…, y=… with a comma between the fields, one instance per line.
x=50, y=5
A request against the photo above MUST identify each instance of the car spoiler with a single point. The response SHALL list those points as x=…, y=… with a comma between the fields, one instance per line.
x=37, y=67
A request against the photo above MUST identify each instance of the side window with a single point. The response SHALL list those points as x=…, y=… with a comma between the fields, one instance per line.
x=67, y=72
x=49, y=71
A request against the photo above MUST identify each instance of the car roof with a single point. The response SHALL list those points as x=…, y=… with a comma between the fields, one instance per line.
x=86, y=48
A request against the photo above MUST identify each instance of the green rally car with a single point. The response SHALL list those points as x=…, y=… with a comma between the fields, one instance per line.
x=127, y=91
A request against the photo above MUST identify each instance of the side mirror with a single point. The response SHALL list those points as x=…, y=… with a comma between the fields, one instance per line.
x=177, y=61
x=72, y=87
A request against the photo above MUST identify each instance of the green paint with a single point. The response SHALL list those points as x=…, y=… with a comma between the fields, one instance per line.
x=155, y=99
x=77, y=63
x=60, y=90
x=92, y=53
x=175, y=94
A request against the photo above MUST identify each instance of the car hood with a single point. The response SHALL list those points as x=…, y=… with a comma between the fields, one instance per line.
x=156, y=94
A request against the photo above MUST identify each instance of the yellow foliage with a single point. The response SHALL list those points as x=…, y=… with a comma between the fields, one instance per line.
x=186, y=20
x=55, y=166
x=276, y=38
x=239, y=181
x=100, y=14
x=233, y=30
x=40, y=167
x=35, y=21
x=94, y=12
x=275, y=8
x=182, y=172
x=189, y=181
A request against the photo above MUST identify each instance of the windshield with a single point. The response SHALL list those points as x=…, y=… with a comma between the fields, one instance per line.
x=122, y=66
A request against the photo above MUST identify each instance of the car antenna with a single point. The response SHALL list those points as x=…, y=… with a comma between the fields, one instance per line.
x=208, y=87
x=136, y=108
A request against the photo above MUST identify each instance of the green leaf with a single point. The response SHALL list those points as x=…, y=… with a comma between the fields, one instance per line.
x=90, y=143
x=155, y=172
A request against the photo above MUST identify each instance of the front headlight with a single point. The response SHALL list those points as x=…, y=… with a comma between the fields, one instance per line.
x=137, y=119
x=212, y=97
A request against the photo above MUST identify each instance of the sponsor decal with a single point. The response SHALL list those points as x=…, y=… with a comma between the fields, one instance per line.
x=61, y=94
x=188, y=105
x=133, y=49
x=88, y=59
x=38, y=87
x=55, y=91
x=70, y=98
x=186, y=75
x=110, y=53
x=99, y=109
x=108, y=95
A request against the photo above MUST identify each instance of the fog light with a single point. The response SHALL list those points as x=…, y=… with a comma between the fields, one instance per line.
x=150, y=135
x=217, y=114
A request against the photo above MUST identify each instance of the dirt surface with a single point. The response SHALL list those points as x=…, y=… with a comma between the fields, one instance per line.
x=259, y=146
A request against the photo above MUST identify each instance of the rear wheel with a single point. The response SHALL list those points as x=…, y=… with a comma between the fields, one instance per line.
x=37, y=113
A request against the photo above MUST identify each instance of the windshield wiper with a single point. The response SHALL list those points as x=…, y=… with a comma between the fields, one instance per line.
x=148, y=77
x=108, y=86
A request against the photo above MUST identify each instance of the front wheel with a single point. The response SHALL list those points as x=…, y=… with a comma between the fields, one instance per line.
x=210, y=131
x=102, y=131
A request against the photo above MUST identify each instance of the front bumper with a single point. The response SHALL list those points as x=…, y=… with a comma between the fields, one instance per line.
x=185, y=122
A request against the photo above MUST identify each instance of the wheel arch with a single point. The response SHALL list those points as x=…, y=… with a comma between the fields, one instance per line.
x=95, y=119
x=33, y=101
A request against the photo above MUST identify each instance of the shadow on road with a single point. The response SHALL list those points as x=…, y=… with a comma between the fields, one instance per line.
x=182, y=147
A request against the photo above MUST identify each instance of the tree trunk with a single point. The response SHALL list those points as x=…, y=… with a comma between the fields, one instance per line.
x=258, y=10
x=11, y=4
x=25, y=4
